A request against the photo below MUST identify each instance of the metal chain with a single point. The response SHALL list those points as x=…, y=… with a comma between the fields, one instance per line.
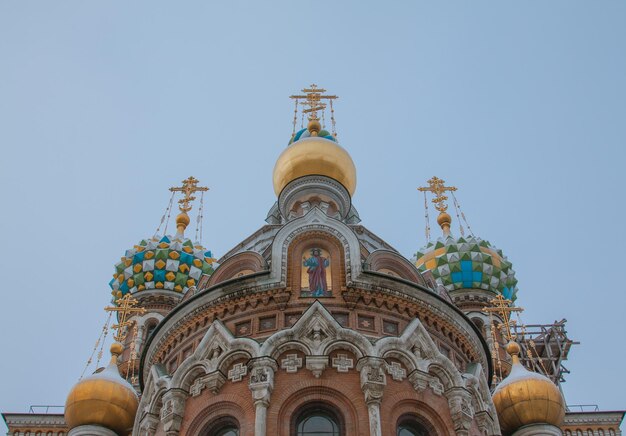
x=166, y=217
x=458, y=218
x=332, y=120
x=99, y=342
x=295, y=119
x=427, y=217
x=469, y=229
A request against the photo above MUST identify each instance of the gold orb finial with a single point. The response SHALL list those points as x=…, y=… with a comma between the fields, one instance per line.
x=513, y=349
x=116, y=349
x=444, y=220
x=182, y=221
x=314, y=127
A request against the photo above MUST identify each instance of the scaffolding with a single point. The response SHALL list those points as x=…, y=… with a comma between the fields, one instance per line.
x=544, y=348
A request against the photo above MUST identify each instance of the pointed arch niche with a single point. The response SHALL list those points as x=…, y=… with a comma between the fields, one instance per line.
x=316, y=266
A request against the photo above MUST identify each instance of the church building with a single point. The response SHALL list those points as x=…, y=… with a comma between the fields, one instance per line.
x=314, y=325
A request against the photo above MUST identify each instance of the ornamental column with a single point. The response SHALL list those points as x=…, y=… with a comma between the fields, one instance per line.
x=261, y=385
x=173, y=410
x=373, y=382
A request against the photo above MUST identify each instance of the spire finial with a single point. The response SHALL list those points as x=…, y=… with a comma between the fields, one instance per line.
x=438, y=188
x=315, y=100
x=127, y=305
x=503, y=308
x=513, y=349
x=189, y=187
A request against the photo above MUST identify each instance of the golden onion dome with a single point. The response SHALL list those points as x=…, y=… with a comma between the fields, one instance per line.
x=314, y=155
x=104, y=399
x=525, y=397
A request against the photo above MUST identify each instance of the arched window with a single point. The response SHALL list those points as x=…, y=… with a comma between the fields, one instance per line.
x=409, y=426
x=224, y=426
x=318, y=421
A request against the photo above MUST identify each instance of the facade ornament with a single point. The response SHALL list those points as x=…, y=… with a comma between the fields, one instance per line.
x=373, y=382
x=173, y=410
x=213, y=381
x=261, y=386
x=291, y=363
x=149, y=424
x=459, y=401
x=342, y=362
x=351, y=297
x=395, y=370
x=436, y=386
x=316, y=364
x=419, y=380
x=282, y=297
x=237, y=372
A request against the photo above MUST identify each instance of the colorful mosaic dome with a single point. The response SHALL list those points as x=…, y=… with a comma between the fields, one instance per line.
x=468, y=262
x=167, y=263
x=305, y=133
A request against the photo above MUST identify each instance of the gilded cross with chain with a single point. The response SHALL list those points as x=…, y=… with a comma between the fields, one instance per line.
x=313, y=97
x=438, y=188
x=190, y=186
x=125, y=306
x=502, y=307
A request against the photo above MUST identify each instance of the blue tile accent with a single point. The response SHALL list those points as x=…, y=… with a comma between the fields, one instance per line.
x=186, y=258
x=159, y=275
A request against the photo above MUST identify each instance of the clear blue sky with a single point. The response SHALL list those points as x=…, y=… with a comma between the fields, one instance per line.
x=104, y=105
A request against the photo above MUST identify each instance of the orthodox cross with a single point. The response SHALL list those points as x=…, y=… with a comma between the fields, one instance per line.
x=125, y=306
x=190, y=186
x=438, y=188
x=503, y=308
x=313, y=97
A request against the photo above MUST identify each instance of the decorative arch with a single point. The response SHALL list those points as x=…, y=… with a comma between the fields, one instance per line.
x=241, y=264
x=418, y=410
x=221, y=410
x=387, y=261
x=217, y=349
x=303, y=246
x=315, y=220
x=318, y=395
x=316, y=320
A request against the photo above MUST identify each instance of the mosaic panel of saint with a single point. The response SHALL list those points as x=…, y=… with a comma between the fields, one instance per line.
x=316, y=274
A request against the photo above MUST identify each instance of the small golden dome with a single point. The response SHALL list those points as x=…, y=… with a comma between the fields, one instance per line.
x=314, y=156
x=104, y=399
x=526, y=397
x=444, y=219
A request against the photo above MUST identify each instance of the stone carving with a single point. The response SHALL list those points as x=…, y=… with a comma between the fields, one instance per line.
x=213, y=382
x=237, y=373
x=316, y=364
x=172, y=411
x=342, y=363
x=261, y=386
x=149, y=424
x=419, y=380
x=215, y=352
x=436, y=386
x=459, y=401
x=373, y=378
x=258, y=376
x=317, y=333
x=395, y=370
x=291, y=363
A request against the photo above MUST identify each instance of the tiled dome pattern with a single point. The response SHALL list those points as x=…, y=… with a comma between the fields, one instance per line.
x=167, y=263
x=468, y=263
